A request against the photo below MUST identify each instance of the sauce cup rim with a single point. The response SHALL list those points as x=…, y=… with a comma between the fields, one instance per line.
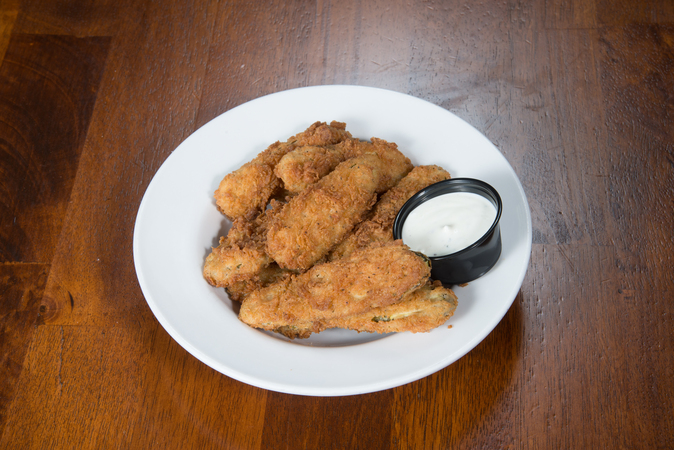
x=447, y=187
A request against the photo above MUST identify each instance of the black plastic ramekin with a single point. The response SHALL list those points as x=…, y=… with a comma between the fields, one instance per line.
x=473, y=261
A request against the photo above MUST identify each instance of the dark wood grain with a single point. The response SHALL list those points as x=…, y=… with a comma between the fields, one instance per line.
x=133, y=130
x=21, y=289
x=637, y=64
x=48, y=87
x=578, y=96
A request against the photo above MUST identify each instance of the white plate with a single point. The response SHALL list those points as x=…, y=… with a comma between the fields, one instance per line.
x=178, y=223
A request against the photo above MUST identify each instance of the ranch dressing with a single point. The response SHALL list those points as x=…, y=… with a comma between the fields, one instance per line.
x=448, y=223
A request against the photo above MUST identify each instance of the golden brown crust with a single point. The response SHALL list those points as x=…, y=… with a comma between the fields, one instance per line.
x=306, y=165
x=319, y=217
x=379, y=226
x=418, y=312
x=365, y=233
x=241, y=254
x=395, y=164
x=267, y=276
x=320, y=133
x=387, y=207
x=248, y=189
x=371, y=278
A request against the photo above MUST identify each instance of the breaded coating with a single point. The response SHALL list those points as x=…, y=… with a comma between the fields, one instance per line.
x=241, y=254
x=379, y=225
x=239, y=290
x=353, y=147
x=386, y=209
x=375, y=277
x=315, y=158
x=248, y=189
x=365, y=233
x=311, y=223
x=320, y=133
x=396, y=164
x=418, y=312
x=306, y=165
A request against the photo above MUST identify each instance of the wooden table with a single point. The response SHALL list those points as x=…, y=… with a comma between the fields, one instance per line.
x=577, y=94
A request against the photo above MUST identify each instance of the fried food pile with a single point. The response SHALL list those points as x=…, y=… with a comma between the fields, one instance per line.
x=311, y=244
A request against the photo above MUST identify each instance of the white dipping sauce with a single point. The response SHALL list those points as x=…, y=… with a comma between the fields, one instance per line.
x=448, y=223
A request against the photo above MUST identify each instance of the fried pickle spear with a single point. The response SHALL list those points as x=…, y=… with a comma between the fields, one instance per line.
x=396, y=165
x=311, y=223
x=418, y=312
x=372, y=278
x=379, y=226
x=241, y=254
x=304, y=166
x=249, y=188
